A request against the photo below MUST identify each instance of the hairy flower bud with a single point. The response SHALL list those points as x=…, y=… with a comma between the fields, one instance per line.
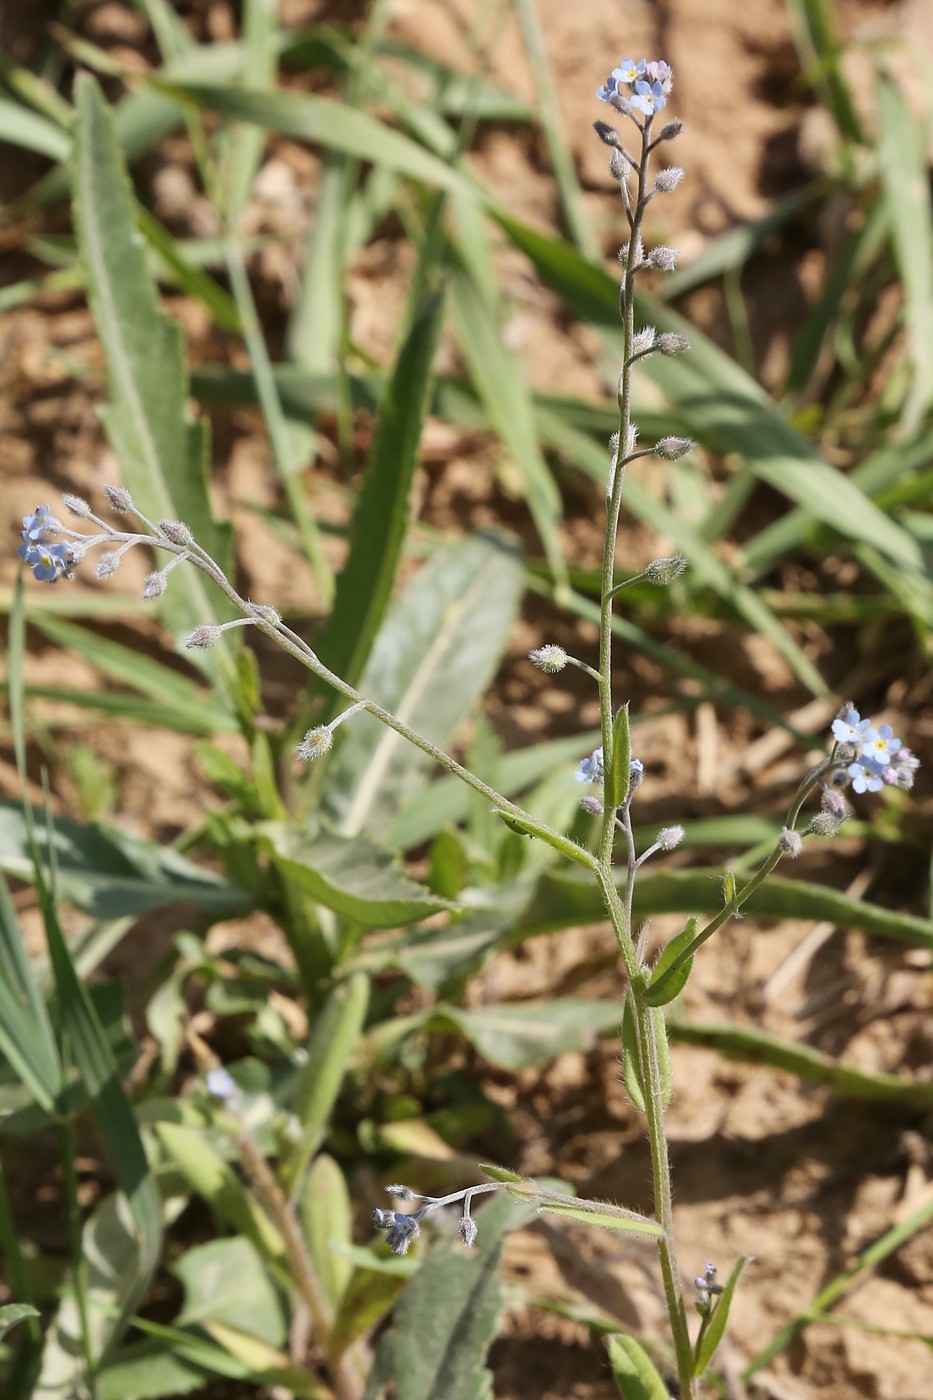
x=119, y=497
x=155, y=585
x=643, y=340
x=108, y=564
x=618, y=164
x=76, y=505
x=668, y=180
x=826, y=824
x=669, y=130
x=266, y=613
x=468, y=1230
x=672, y=448
x=606, y=133
x=670, y=836
x=176, y=531
x=315, y=743
x=549, y=659
x=203, y=637
x=663, y=571
x=591, y=805
x=790, y=843
x=663, y=259
x=670, y=343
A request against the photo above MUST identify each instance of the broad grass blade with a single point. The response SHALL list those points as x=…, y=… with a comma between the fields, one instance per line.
x=163, y=453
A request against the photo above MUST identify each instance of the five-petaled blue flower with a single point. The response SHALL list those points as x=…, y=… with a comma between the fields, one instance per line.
x=48, y=562
x=849, y=727
x=880, y=745
x=649, y=82
x=649, y=98
x=591, y=769
x=865, y=777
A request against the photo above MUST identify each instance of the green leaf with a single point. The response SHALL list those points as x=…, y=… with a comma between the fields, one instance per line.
x=195, y=707
x=600, y=1213
x=13, y=1313
x=619, y=776
x=752, y=1046
x=722, y=406
x=26, y=1036
x=162, y=452
x=902, y=165
x=380, y=518
x=713, y=1334
x=148, y=1371
x=632, y=1060
x=446, y=1320
x=674, y=984
x=327, y=1219
x=502, y=390
x=119, y=1265
x=435, y=654
x=209, y=1175
x=357, y=879
x=20, y=126
x=335, y=1036
x=563, y=898
x=635, y=1372
x=331, y=124
x=225, y=1281
x=516, y=1036
x=110, y=873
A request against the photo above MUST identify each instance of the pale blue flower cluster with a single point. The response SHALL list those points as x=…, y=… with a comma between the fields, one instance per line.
x=591, y=769
x=643, y=85
x=49, y=562
x=880, y=759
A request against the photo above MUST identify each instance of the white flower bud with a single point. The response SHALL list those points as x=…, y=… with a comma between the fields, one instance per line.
x=75, y=505
x=315, y=743
x=108, y=564
x=549, y=659
x=670, y=836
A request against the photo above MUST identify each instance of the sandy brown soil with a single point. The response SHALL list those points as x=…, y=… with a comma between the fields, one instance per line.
x=762, y=1163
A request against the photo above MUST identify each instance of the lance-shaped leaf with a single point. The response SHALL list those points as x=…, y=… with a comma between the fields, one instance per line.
x=563, y=898
x=435, y=654
x=357, y=879
x=380, y=519
x=635, y=1372
x=162, y=451
x=110, y=873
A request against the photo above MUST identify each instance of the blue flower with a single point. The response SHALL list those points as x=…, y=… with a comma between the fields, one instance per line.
x=880, y=745
x=400, y=1229
x=849, y=727
x=629, y=71
x=591, y=769
x=39, y=524
x=49, y=563
x=866, y=776
x=220, y=1084
x=649, y=98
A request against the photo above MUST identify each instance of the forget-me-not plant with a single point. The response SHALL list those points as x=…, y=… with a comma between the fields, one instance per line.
x=862, y=756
